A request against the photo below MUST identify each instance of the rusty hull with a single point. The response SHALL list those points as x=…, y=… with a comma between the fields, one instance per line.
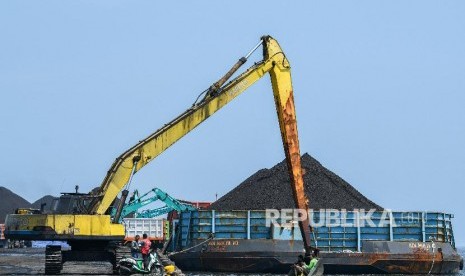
x=272, y=256
x=386, y=263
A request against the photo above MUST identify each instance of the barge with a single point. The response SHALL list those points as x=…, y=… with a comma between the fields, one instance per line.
x=389, y=243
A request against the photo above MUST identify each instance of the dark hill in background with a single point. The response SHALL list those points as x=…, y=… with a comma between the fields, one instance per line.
x=9, y=202
x=270, y=189
x=48, y=200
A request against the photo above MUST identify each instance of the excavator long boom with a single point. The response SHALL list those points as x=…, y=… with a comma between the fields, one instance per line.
x=276, y=64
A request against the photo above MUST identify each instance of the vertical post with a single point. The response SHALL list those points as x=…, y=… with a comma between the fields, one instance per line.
x=248, y=224
x=173, y=235
x=444, y=227
x=314, y=239
x=359, y=242
x=423, y=227
x=213, y=221
x=391, y=230
x=329, y=238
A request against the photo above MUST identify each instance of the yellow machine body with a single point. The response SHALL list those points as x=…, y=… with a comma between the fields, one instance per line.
x=63, y=227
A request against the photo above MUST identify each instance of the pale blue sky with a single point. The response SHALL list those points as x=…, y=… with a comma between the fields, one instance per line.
x=379, y=88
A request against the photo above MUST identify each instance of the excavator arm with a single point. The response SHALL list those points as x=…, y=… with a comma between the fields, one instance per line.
x=150, y=197
x=220, y=94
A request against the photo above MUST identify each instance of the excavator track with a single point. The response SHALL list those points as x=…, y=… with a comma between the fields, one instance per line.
x=53, y=259
x=120, y=253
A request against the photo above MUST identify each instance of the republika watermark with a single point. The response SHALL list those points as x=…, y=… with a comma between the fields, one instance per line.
x=338, y=218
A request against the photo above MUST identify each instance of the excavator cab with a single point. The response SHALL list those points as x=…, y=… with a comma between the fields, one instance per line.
x=71, y=203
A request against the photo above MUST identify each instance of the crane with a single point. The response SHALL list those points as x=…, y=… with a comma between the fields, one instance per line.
x=137, y=202
x=84, y=221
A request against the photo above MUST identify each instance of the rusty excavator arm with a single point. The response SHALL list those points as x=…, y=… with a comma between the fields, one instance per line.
x=218, y=95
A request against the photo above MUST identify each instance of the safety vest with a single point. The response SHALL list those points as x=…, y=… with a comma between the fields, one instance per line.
x=146, y=243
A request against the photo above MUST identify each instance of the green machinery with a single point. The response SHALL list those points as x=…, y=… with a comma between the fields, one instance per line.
x=137, y=202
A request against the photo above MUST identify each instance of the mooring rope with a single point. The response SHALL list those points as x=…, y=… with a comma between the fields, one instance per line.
x=192, y=247
x=434, y=257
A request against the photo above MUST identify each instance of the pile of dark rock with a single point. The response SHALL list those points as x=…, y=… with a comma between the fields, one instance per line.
x=9, y=202
x=271, y=189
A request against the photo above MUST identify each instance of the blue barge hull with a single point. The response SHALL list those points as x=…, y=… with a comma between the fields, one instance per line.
x=408, y=243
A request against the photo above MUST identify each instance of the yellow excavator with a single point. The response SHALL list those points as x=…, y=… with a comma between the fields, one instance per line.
x=83, y=220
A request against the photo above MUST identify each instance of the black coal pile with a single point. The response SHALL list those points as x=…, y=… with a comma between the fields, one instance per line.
x=47, y=200
x=9, y=202
x=270, y=189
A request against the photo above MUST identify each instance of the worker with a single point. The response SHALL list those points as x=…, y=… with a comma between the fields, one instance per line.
x=135, y=247
x=145, y=250
x=298, y=268
x=311, y=261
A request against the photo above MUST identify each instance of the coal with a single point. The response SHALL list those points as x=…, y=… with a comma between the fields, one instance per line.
x=48, y=200
x=271, y=189
x=9, y=202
